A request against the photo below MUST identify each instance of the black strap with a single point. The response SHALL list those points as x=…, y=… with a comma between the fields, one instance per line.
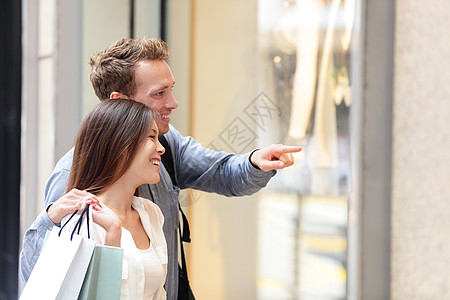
x=183, y=268
x=78, y=223
x=167, y=160
x=184, y=289
x=74, y=213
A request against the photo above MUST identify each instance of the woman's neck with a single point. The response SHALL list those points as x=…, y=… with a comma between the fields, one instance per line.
x=118, y=197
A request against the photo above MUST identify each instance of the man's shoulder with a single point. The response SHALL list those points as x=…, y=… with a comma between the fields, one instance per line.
x=56, y=184
x=65, y=163
x=173, y=132
x=174, y=137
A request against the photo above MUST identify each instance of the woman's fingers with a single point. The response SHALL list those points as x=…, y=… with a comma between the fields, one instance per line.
x=73, y=200
x=85, y=200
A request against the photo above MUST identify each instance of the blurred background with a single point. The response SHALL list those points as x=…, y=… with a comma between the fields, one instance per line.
x=362, y=85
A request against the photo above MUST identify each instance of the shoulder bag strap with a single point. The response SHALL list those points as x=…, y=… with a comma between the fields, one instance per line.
x=167, y=160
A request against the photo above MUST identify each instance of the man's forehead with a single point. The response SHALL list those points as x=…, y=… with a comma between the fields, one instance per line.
x=157, y=78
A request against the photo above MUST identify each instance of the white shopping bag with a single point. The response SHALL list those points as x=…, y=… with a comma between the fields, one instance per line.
x=61, y=267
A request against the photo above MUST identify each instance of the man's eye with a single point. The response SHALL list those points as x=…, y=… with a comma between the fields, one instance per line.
x=159, y=94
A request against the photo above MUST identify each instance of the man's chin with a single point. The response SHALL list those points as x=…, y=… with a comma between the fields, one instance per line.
x=163, y=128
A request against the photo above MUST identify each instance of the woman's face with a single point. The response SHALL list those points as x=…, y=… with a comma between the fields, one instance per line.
x=145, y=166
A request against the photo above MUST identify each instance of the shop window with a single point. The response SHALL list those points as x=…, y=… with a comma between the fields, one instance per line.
x=305, y=50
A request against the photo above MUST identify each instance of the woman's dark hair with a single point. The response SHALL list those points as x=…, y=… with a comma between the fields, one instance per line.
x=107, y=142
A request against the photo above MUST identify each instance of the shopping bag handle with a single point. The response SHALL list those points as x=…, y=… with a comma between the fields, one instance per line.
x=74, y=213
x=78, y=223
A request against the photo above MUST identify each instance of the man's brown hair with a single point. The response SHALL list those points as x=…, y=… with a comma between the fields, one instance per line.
x=112, y=70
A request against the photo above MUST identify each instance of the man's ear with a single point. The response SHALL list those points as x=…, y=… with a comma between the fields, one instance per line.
x=117, y=95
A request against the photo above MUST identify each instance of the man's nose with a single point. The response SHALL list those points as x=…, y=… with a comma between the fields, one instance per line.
x=173, y=103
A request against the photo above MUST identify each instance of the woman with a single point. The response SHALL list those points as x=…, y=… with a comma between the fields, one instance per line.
x=116, y=151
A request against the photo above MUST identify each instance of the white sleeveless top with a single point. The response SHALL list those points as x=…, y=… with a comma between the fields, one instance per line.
x=154, y=276
x=153, y=272
x=143, y=271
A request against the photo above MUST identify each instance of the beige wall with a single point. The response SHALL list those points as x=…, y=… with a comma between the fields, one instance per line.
x=179, y=41
x=96, y=38
x=222, y=255
x=420, y=262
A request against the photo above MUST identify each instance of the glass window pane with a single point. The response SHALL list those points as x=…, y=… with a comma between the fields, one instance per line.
x=263, y=72
x=305, y=50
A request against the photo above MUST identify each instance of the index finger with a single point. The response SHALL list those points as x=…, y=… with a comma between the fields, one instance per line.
x=289, y=149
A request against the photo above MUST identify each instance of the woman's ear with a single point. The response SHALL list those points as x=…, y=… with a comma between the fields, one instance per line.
x=117, y=95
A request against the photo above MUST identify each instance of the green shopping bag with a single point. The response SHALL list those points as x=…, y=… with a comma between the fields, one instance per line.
x=104, y=276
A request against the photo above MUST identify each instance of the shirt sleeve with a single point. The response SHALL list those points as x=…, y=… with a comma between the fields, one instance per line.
x=214, y=171
x=57, y=183
x=32, y=244
x=35, y=235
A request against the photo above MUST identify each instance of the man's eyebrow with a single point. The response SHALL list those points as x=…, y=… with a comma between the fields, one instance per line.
x=158, y=89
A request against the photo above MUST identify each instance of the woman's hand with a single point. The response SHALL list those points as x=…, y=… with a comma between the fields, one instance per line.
x=104, y=217
x=68, y=203
x=110, y=222
x=77, y=200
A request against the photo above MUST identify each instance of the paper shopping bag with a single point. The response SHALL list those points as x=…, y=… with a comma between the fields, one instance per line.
x=61, y=267
x=104, y=276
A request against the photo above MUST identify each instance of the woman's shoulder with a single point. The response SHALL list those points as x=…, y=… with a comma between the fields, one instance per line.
x=156, y=219
x=148, y=206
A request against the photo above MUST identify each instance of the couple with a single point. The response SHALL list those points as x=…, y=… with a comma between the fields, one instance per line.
x=137, y=69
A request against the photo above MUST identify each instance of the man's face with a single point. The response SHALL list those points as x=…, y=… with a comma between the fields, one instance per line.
x=154, y=83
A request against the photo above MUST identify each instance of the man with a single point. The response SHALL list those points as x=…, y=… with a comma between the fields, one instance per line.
x=137, y=69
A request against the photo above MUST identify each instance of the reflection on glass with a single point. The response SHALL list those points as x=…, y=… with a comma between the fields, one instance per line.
x=305, y=56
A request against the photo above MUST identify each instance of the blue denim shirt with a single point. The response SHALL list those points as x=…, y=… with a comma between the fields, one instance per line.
x=194, y=166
